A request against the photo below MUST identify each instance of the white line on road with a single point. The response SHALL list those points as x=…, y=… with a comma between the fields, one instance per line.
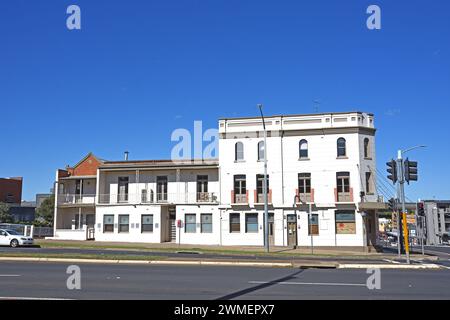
x=312, y=283
x=10, y=275
x=391, y=261
x=28, y=298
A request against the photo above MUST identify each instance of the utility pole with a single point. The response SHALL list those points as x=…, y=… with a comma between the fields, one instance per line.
x=310, y=228
x=266, y=205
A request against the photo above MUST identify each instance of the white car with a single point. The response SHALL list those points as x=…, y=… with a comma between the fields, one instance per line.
x=14, y=239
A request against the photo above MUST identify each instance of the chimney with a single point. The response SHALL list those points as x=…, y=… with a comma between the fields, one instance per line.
x=126, y=153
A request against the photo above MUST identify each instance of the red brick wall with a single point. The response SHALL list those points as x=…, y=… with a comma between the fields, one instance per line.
x=86, y=168
x=11, y=190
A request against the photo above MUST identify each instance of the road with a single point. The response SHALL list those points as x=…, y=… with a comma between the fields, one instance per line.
x=103, y=281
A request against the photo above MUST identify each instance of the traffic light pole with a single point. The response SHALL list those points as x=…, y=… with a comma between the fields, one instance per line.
x=401, y=181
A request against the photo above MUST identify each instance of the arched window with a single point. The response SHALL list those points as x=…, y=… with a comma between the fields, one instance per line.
x=341, y=147
x=239, y=151
x=303, y=149
x=261, y=150
x=366, y=148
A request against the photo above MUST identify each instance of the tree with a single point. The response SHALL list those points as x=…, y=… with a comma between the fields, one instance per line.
x=5, y=215
x=46, y=212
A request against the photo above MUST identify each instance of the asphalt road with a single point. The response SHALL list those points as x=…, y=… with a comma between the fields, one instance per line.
x=103, y=281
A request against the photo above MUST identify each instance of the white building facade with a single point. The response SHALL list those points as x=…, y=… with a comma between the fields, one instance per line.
x=321, y=173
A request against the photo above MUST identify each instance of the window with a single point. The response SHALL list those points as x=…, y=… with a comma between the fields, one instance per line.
x=108, y=223
x=190, y=224
x=304, y=187
x=123, y=189
x=202, y=188
x=343, y=186
x=161, y=189
x=313, y=225
x=366, y=148
x=261, y=151
x=124, y=223
x=240, y=189
x=303, y=149
x=260, y=187
x=369, y=183
x=345, y=222
x=341, y=148
x=239, y=151
x=251, y=222
x=235, y=223
x=147, y=223
x=206, y=223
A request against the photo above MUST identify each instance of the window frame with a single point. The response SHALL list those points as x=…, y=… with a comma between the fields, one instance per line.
x=238, y=223
x=300, y=150
x=147, y=224
x=202, y=224
x=345, y=230
x=261, y=148
x=108, y=224
x=186, y=223
x=341, y=145
x=120, y=225
x=247, y=216
x=367, y=149
x=238, y=152
x=313, y=231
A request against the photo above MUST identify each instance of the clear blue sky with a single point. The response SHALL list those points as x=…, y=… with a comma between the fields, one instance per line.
x=140, y=69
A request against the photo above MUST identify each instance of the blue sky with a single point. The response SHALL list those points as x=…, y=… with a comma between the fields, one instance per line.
x=138, y=69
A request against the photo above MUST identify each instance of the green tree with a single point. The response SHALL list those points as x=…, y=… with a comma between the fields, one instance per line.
x=46, y=212
x=5, y=216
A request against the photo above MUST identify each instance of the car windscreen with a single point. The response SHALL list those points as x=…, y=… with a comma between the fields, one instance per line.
x=13, y=232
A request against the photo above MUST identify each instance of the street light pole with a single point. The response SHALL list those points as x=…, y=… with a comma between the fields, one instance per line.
x=266, y=212
x=401, y=181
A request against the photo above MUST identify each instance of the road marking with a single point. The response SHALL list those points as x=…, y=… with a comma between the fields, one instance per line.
x=10, y=275
x=391, y=261
x=445, y=267
x=311, y=283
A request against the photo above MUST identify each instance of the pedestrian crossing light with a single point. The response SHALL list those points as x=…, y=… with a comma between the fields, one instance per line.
x=392, y=170
x=392, y=205
x=421, y=209
x=410, y=171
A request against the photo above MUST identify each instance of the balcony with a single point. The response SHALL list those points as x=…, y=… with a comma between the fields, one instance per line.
x=239, y=198
x=259, y=197
x=158, y=198
x=305, y=197
x=76, y=199
x=343, y=196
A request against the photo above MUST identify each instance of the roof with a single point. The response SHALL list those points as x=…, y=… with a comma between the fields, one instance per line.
x=299, y=115
x=87, y=156
x=160, y=163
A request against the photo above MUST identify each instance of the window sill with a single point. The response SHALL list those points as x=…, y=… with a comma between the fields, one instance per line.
x=342, y=157
x=368, y=158
x=304, y=159
x=239, y=161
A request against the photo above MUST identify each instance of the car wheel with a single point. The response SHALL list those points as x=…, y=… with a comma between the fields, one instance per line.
x=14, y=243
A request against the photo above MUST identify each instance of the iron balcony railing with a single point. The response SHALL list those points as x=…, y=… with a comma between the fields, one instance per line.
x=67, y=199
x=158, y=198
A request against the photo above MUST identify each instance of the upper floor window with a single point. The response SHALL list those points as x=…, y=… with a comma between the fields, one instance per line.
x=341, y=147
x=239, y=151
x=261, y=150
x=366, y=148
x=303, y=147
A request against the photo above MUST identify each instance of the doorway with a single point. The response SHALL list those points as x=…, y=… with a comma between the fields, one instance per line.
x=271, y=229
x=172, y=225
x=292, y=230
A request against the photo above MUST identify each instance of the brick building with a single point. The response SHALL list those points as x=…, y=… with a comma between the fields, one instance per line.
x=11, y=190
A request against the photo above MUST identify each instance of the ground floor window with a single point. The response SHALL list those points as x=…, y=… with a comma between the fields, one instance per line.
x=190, y=223
x=235, y=223
x=124, y=223
x=147, y=223
x=108, y=223
x=345, y=222
x=313, y=225
x=206, y=223
x=251, y=222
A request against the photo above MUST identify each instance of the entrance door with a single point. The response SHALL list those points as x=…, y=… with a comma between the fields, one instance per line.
x=292, y=230
x=90, y=224
x=172, y=226
x=271, y=229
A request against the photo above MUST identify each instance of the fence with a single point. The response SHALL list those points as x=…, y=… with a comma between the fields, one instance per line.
x=28, y=230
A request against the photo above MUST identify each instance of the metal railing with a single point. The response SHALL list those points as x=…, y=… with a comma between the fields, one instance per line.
x=76, y=199
x=158, y=198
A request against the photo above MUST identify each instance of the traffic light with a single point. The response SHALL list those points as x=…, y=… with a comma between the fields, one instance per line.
x=421, y=209
x=410, y=171
x=392, y=205
x=392, y=170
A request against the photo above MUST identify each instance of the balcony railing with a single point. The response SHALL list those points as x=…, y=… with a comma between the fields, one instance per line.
x=343, y=196
x=69, y=199
x=259, y=197
x=239, y=198
x=305, y=197
x=158, y=198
